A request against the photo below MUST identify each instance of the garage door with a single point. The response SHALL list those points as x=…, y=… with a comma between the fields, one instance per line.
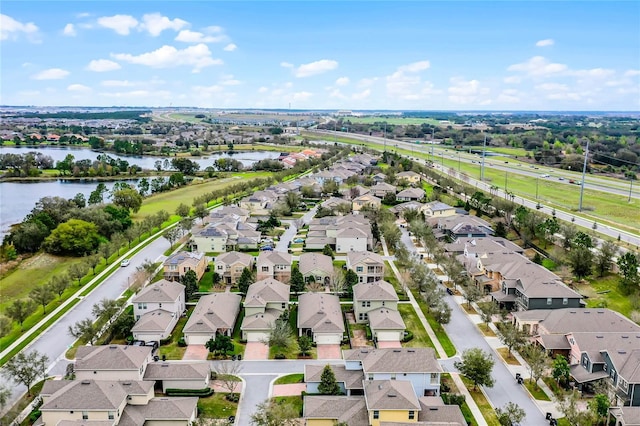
x=387, y=336
x=328, y=339
x=197, y=339
x=148, y=337
x=257, y=336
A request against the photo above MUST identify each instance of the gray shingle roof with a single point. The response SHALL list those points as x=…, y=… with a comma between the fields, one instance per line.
x=162, y=291
x=435, y=412
x=185, y=257
x=352, y=379
x=315, y=261
x=268, y=290
x=260, y=321
x=573, y=320
x=159, y=409
x=320, y=312
x=155, y=321
x=231, y=257
x=192, y=370
x=369, y=257
x=111, y=357
x=379, y=290
x=213, y=312
x=390, y=395
x=404, y=360
x=385, y=319
x=411, y=193
x=94, y=394
x=349, y=409
x=273, y=258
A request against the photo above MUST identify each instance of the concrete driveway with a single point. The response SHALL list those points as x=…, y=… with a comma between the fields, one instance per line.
x=387, y=345
x=293, y=389
x=329, y=352
x=256, y=351
x=196, y=352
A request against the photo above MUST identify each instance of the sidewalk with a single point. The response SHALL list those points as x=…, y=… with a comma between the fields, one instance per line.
x=475, y=410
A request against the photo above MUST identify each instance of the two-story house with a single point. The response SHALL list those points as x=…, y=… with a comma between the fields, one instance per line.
x=376, y=303
x=391, y=401
x=438, y=209
x=157, y=308
x=214, y=314
x=366, y=200
x=210, y=240
x=349, y=381
x=180, y=263
x=274, y=264
x=316, y=267
x=320, y=318
x=227, y=213
x=231, y=264
x=265, y=302
x=368, y=266
x=411, y=177
x=460, y=226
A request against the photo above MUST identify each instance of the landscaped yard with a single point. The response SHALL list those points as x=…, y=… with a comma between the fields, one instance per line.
x=486, y=330
x=604, y=292
x=172, y=350
x=411, y=320
x=509, y=359
x=487, y=410
x=216, y=407
x=466, y=411
x=289, y=379
x=294, y=401
x=536, y=391
x=437, y=328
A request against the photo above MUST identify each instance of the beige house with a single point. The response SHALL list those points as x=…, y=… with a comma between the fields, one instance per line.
x=180, y=263
x=386, y=325
x=266, y=300
x=367, y=265
x=410, y=194
x=179, y=374
x=155, y=325
x=227, y=214
x=214, y=314
x=438, y=209
x=411, y=177
x=274, y=264
x=320, y=317
x=391, y=401
x=112, y=402
x=327, y=410
x=112, y=362
x=368, y=296
x=316, y=267
x=365, y=200
x=382, y=188
x=231, y=264
x=157, y=308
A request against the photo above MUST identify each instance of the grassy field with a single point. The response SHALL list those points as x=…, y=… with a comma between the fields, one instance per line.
x=294, y=401
x=536, y=391
x=603, y=292
x=400, y=121
x=420, y=337
x=516, y=152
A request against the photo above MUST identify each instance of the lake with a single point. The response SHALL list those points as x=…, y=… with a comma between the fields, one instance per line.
x=17, y=199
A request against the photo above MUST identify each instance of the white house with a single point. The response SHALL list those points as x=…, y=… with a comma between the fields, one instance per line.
x=214, y=314
x=320, y=317
x=367, y=265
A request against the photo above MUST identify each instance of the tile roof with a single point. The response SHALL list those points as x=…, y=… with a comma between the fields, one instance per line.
x=390, y=395
x=111, y=357
x=320, y=312
x=162, y=291
x=213, y=312
x=404, y=360
x=378, y=290
x=349, y=409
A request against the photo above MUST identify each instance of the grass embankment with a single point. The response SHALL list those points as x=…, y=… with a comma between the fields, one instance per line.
x=216, y=406
x=437, y=328
x=536, y=391
x=483, y=404
x=420, y=337
x=289, y=379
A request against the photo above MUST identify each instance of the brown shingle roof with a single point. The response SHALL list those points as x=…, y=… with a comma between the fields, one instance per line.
x=349, y=409
x=268, y=290
x=94, y=394
x=390, y=395
x=154, y=321
x=404, y=360
x=315, y=261
x=352, y=379
x=379, y=290
x=159, y=409
x=320, y=312
x=385, y=319
x=213, y=312
x=111, y=357
x=191, y=370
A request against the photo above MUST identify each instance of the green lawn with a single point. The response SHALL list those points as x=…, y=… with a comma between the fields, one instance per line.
x=536, y=391
x=516, y=152
x=289, y=379
x=216, y=407
x=172, y=350
x=402, y=121
x=481, y=401
x=439, y=331
x=466, y=411
x=604, y=292
x=420, y=337
x=294, y=401
x=509, y=359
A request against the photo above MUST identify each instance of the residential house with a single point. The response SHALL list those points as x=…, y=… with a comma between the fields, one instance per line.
x=416, y=365
x=386, y=325
x=112, y=362
x=214, y=314
x=343, y=233
x=265, y=302
x=179, y=374
x=438, y=209
x=398, y=209
x=226, y=236
x=349, y=381
x=481, y=247
x=460, y=226
x=155, y=326
x=274, y=264
x=327, y=410
x=231, y=264
x=366, y=200
x=227, y=214
x=367, y=265
x=354, y=192
x=435, y=412
x=410, y=194
x=368, y=296
x=162, y=295
x=260, y=202
x=125, y=403
x=410, y=177
x=382, y=188
x=334, y=202
x=210, y=240
x=181, y=262
x=525, y=285
x=624, y=416
x=391, y=401
x=320, y=318
x=379, y=177
x=316, y=267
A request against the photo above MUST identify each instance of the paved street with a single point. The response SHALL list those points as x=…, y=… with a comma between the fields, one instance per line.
x=56, y=340
x=292, y=230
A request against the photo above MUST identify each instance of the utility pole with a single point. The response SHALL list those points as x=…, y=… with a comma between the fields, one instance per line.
x=584, y=172
x=630, y=188
x=484, y=147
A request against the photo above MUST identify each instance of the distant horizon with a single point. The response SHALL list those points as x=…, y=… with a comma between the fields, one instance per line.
x=348, y=55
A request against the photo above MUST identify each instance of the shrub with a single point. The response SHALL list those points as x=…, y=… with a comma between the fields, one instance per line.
x=181, y=342
x=232, y=397
x=280, y=356
x=408, y=336
x=452, y=399
x=189, y=392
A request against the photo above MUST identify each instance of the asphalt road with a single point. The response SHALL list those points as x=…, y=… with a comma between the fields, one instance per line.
x=55, y=341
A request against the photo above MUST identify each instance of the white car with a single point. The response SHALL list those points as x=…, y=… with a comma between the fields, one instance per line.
x=125, y=262
x=545, y=176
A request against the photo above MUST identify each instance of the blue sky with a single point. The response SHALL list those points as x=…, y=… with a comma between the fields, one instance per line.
x=497, y=55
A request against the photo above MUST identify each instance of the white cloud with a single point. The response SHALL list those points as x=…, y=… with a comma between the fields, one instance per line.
x=78, y=88
x=407, y=84
x=415, y=67
x=467, y=92
x=301, y=96
x=188, y=36
x=138, y=94
x=631, y=73
x=286, y=65
x=263, y=89
x=228, y=80
x=230, y=47
x=367, y=82
x=121, y=24
x=315, y=68
x=362, y=95
x=538, y=66
x=11, y=29
x=342, y=81
x=155, y=23
x=69, y=30
x=544, y=43
x=198, y=56
x=509, y=96
x=552, y=87
x=103, y=65
x=116, y=83
x=593, y=73
x=512, y=79
x=51, y=74
x=336, y=93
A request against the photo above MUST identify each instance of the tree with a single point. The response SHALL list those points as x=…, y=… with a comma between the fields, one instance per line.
x=190, y=281
x=510, y=414
x=25, y=368
x=106, y=308
x=58, y=284
x=501, y=230
x=183, y=210
x=560, y=370
x=472, y=294
x=84, y=330
x=5, y=393
x=304, y=344
x=185, y=225
x=476, y=365
x=628, y=265
x=245, y=280
x=441, y=312
x=78, y=270
x=73, y=237
x=281, y=335
x=568, y=404
x=272, y=413
x=599, y=405
x=5, y=325
x=220, y=345
x=297, y=280
x=201, y=212
x=350, y=279
x=604, y=258
x=172, y=235
x=93, y=261
x=42, y=295
x=227, y=374
x=391, y=233
x=487, y=311
x=122, y=326
x=328, y=384
x=580, y=260
x=328, y=251
x=512, y=337
x=20, y=309
x=582, y=240
x=105, y=250
x=128, y=198
x=536, y=361
x=97, y=195
x=337, y=280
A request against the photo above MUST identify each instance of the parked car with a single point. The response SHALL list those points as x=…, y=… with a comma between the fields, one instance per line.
x=266, y=248
x=298, y=240
x=125, y=263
